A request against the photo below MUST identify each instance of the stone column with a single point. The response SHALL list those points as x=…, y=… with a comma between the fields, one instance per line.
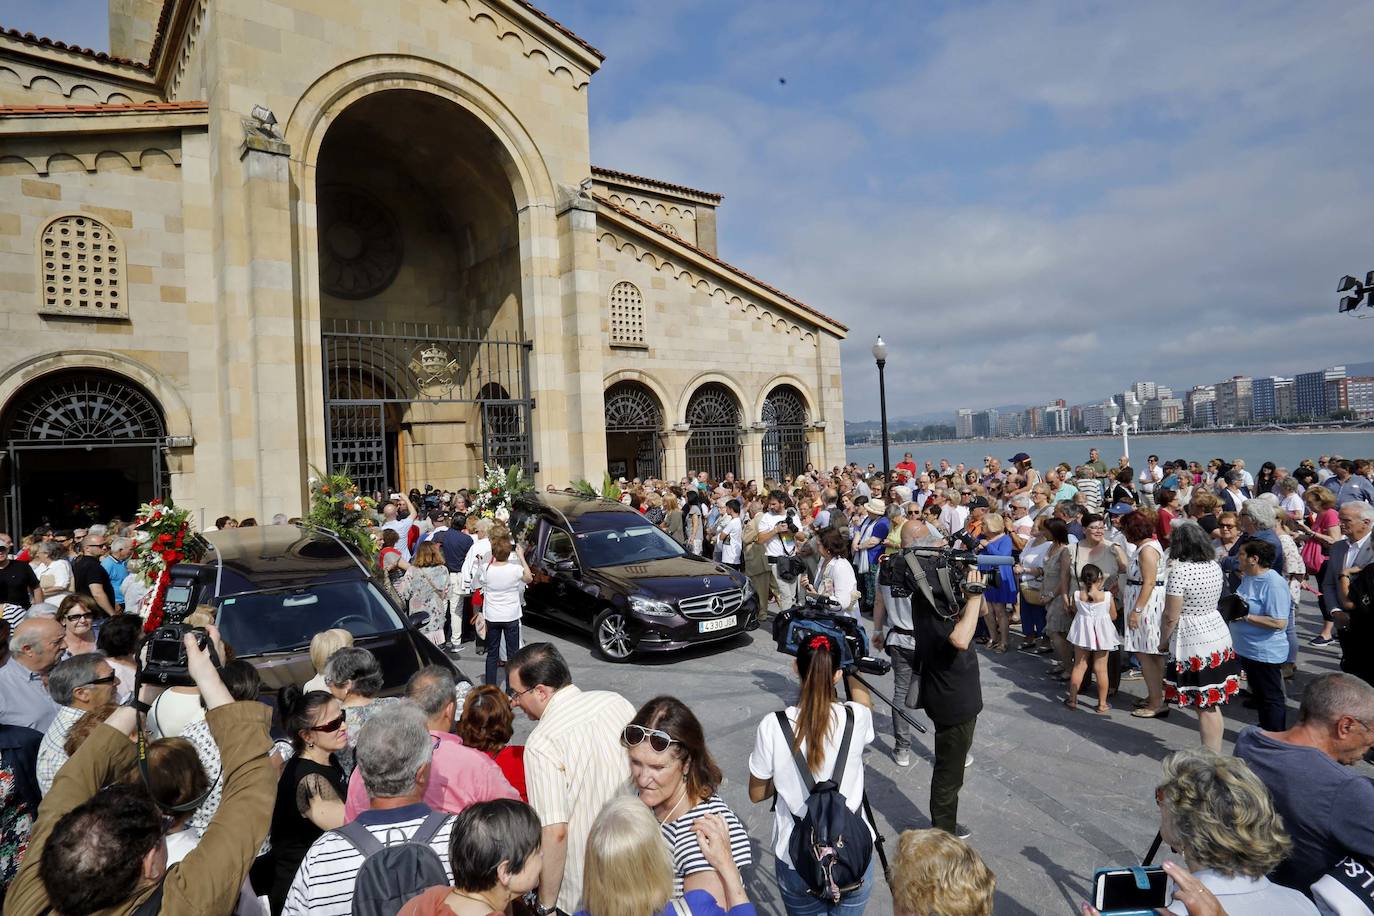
x=257, y=282
x=675, y=452
x=572, y=443
x=751, y=453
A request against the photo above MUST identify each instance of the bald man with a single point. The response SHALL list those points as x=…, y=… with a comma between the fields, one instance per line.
x=35, y=647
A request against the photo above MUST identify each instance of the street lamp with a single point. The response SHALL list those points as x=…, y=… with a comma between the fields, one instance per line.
x=880, y=357
x=1355, y=293
x=1129, y=417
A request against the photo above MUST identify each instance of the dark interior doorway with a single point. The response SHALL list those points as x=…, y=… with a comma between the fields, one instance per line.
x=76, y=487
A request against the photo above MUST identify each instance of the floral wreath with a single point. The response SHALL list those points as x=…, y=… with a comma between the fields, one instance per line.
x=162, y=538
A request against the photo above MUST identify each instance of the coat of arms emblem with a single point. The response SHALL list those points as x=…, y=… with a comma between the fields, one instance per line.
x=434, y=370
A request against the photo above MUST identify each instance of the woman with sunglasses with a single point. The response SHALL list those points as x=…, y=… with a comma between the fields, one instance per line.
x=818, y=724
x=77, y=614
x=313, y=786
x=676, y=777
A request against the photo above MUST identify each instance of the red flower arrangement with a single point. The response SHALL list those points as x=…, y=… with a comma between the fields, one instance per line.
x=164, y=539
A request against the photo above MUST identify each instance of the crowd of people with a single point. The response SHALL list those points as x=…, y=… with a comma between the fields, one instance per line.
x=1185, y=578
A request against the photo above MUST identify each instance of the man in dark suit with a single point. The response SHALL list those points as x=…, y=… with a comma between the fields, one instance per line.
x=1348, y=556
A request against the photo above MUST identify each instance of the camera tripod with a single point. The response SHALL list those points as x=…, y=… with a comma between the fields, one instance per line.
x=878, y=840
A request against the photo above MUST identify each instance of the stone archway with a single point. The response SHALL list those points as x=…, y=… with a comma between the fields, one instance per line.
x=634, y=431
x=715, y=431
x=420, y=279
x=81, y=445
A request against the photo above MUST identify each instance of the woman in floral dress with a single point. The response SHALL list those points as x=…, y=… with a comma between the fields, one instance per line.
x=424, y=589
x=1202, y=670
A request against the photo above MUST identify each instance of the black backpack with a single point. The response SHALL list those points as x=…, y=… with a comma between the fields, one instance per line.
x=831, y=847
x=392, y=874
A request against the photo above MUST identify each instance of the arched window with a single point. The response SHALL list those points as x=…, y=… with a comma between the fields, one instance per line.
x=634, y=426
x=784, y=441
x=627, y=315
x=713, y=444
x=86, y=408
x=82, y=266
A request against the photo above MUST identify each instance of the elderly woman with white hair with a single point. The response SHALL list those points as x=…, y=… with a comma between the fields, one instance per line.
x=53, y=570
x=1218, y=814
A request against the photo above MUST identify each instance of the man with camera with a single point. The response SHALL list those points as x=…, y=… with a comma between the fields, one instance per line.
x=777, y=532
x=97, y=849
x=947, y=682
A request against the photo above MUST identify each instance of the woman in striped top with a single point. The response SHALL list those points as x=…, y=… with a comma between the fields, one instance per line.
x=677, y=778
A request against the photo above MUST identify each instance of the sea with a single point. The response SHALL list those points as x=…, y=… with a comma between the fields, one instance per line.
x=1284, y=449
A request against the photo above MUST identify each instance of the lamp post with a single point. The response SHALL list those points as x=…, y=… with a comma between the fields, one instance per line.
x=880, y=357
x=1128, y=417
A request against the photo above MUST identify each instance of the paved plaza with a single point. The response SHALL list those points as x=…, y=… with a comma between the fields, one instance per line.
x=1052, y=794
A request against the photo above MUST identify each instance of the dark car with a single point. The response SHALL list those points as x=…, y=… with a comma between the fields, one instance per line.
x=603, y=567
x=274, y=587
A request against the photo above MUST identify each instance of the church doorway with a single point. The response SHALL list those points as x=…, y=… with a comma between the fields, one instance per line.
x=81, y=446
x=784, y=437
x=634, y=432
x=715, y=434
x=426, y=359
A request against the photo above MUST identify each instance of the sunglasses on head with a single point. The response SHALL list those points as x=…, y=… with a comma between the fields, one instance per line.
x=635, y=735
x=331, y=726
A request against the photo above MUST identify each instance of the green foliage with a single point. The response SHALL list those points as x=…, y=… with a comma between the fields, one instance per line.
x=609, y=489
x=336, y=505
x=584, y=488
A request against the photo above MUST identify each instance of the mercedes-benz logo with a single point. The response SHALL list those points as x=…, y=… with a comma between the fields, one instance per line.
x=717, y=605
x=706, y=581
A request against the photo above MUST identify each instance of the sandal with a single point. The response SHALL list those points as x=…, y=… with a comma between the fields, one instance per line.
x=1070, y=703
x=1103, y=710
x=1143, y=713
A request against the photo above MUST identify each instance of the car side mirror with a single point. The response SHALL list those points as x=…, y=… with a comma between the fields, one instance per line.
x=565, y=566
x=418, y=619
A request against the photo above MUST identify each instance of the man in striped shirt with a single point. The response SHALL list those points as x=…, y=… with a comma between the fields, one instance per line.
x=393, y=753
x=574, y=763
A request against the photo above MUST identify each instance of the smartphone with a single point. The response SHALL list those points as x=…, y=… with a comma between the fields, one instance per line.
x=1116, y=889
x=395, y=495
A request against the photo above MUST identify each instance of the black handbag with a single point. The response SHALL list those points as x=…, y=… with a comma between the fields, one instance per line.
x=1233, y=607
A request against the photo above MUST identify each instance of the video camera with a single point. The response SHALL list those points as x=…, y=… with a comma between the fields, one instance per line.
x=938, y=574
x=819, y=615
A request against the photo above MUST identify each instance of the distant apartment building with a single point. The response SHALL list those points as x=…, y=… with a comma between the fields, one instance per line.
x=1360, y=396
x=1235, y=401
x=1143, y=391
x=1200, y=406
x=1319, y=394
x=984, y=424
x=1056, y=419
x=963, y=423
x=1285, y=407
x=1095, y=418
x=1033, y=421
x=1009, y=424
x=1161, y=413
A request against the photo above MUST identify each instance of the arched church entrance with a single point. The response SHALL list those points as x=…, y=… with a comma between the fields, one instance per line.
x=81, y=446
x=426, y=360
x=634, y=431
x=784, y=437
x=713, y=440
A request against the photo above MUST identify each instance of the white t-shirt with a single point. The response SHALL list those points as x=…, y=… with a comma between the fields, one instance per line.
x=402, y=529
x=772, y=759
x=836, y=579
x=1293, y=505
x=780, y=546
x=503, y=592
x=732, y=543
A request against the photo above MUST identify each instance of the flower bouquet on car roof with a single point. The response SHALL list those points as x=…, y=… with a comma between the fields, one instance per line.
x=162, y=538
x=498, y=489
x=337, y=505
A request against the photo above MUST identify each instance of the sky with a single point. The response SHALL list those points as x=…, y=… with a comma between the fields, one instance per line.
x=1027, y=200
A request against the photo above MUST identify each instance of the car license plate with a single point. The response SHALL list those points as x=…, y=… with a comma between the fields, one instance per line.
x=724, y=623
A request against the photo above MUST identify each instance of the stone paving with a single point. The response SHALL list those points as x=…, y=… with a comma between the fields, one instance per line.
x=1051, y=794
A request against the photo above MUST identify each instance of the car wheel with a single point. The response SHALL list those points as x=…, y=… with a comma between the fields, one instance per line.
x=611, y=630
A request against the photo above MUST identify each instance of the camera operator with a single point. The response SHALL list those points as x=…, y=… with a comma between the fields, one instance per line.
x=98, y=849
x=949, y=690
x=777, y=533
x=893, y=614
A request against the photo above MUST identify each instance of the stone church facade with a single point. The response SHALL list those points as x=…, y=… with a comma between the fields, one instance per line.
x=269, y=235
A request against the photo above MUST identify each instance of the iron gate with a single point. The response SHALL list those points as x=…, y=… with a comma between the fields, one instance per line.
x=632, y=409
x=784, y=439
x=371, y=365
x=713, y=444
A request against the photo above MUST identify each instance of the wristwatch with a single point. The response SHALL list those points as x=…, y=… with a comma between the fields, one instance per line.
x=541, y=910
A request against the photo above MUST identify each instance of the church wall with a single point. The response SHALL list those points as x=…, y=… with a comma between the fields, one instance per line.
x=695, y=326
x=23, y=82
x=675, y=216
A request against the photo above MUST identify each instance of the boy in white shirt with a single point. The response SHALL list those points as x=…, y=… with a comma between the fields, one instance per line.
x=731, y=536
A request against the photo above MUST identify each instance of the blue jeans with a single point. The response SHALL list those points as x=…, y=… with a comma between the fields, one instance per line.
x=798, y=902
x=1032, y=618
x=494, y=633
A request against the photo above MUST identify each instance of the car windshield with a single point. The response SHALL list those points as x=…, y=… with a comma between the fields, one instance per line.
x=283, y=620
x=612, y=542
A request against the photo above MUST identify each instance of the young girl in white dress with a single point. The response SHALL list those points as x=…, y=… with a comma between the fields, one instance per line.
x=1092, y=636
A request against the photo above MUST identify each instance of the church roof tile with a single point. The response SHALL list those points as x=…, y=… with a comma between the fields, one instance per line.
x=21, y=110
x=667, y=186
x=104, y=56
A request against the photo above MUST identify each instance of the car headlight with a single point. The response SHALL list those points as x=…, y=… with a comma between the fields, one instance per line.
x=652, y=607
x=746, y=592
